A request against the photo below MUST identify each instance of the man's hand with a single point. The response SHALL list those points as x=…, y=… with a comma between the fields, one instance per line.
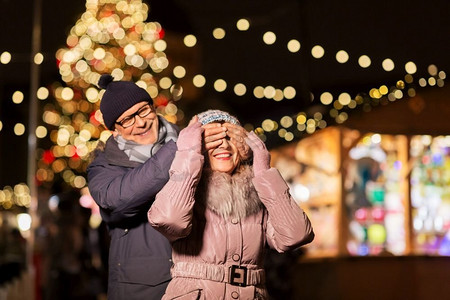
x=213, y=135
x=215, y=132
x=190, y=138
x=238, y=135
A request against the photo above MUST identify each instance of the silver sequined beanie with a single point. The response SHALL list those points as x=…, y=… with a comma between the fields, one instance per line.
x=215, y=115
x=119, y=96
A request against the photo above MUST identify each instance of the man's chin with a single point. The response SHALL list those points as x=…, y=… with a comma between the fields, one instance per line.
x=145, y=139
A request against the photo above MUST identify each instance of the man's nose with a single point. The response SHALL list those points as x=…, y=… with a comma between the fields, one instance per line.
x=139, y=121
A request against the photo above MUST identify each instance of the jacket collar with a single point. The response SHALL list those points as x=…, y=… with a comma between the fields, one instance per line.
x=117, y=157
x=231, y=196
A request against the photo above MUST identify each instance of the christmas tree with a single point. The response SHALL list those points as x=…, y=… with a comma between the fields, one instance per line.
x=111, y=37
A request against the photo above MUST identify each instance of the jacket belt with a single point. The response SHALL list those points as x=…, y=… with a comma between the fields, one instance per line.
x=219, y=273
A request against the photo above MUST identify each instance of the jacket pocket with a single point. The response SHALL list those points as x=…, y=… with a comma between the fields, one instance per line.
x=145, y=270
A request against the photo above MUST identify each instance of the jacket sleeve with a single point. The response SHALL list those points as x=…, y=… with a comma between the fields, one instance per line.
x=171, y=213
x=123, y=193
x=288, y=227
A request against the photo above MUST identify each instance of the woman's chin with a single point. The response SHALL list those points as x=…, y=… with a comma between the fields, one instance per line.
x=223, y=169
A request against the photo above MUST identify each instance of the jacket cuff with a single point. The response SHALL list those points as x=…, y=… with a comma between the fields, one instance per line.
x=270, y=184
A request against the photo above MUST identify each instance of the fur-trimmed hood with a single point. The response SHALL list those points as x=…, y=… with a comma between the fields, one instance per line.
x=229, y=195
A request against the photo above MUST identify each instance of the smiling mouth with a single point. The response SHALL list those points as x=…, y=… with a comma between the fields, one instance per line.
x=147, y=131
x=222, y=155
x=144, y=133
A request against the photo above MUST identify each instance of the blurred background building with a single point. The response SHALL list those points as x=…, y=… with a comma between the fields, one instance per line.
x=350, y=96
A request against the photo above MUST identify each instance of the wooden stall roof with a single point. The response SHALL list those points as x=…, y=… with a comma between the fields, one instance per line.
x=428, y=112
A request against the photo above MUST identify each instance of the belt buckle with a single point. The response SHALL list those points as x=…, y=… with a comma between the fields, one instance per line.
x=238, y=275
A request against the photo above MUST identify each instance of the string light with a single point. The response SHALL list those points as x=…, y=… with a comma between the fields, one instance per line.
x=269, y=38
x=219, y=33
x=410, y=67
x=5, y=58
x=19, y=129
x=240, y=89
x=342, y=56
x=42, y=93
x=38, y=58
x=364, y=61
x=344, y=99
x=243, y=24
x=388, y=65
x=294, y=46
x=17, y=97
x=317, y=51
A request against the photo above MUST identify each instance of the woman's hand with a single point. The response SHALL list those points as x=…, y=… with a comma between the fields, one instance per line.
x=261, y=156
x=190, y=138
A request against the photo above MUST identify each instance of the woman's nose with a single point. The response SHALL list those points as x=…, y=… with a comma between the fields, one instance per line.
x=225, y=143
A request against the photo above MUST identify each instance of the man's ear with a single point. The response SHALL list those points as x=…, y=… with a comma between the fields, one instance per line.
x=115, y=133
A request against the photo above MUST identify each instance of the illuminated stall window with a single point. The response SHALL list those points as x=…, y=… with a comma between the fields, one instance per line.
x=430, y=194
x=320, y=179
x=373, y=196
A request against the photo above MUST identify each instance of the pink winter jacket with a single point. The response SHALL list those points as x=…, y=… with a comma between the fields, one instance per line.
x=217, y=254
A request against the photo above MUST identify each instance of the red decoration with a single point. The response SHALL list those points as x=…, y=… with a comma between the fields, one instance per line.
x=426, y=159
x=361, y=215
x=161, y=100
x=161, y=33
x=48, y=157
x=92, y=119
x=378, y=214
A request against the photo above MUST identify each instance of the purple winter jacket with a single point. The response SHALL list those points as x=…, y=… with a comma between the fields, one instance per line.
x=139, y=256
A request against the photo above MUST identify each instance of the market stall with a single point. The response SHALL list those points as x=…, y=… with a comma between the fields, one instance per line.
x=378, y=185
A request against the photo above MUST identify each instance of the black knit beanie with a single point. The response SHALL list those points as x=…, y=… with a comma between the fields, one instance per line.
x=119, y=97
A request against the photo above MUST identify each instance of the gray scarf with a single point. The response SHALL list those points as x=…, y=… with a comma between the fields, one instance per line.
x=141, y=153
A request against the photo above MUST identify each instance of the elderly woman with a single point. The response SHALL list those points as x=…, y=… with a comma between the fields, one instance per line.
x=219, y=212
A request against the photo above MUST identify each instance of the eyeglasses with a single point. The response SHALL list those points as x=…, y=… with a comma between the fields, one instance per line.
x=130, y=120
